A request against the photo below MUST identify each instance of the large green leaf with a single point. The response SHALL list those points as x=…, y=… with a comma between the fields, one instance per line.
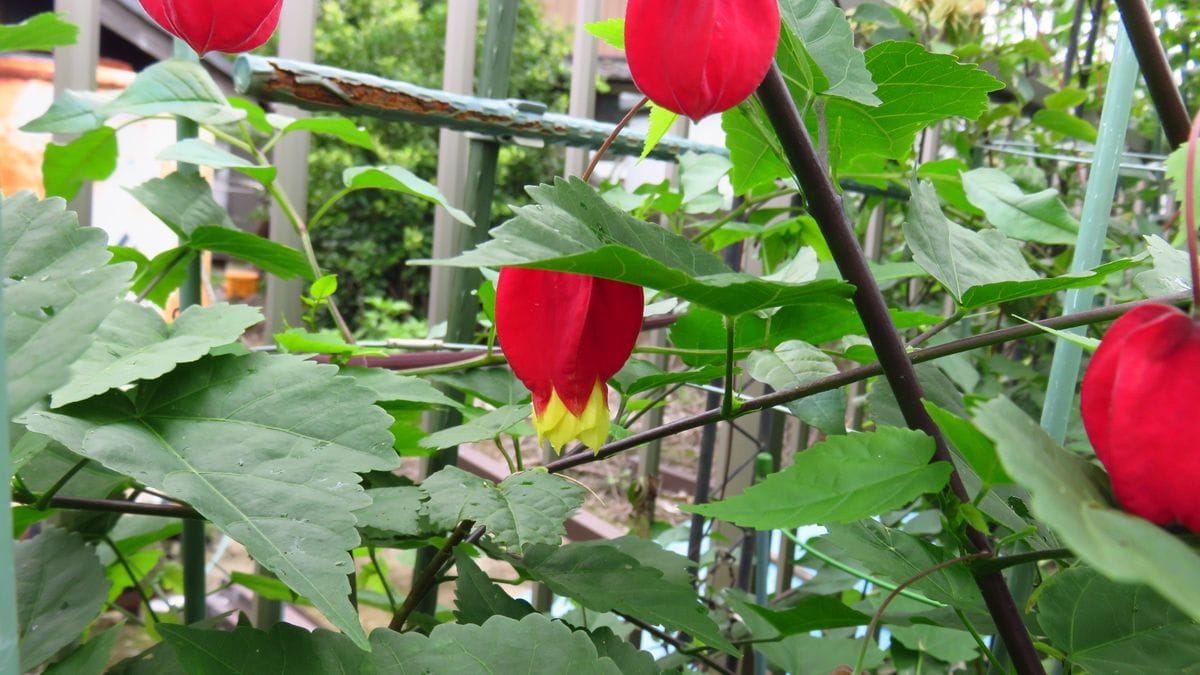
x=286, y=650
x=92, y=156
x=792, y=364
x=175, y=87
x=265, y=447
x=60, y=590
x=342, y=128
x=753, y=148
x=1110, y=628
x=603, y=578
x=394, y=388
x=900, y=556
x=1172, y=272
x=842, y=479
x=183, y=201
x=134, y=343
x=535, y=644
x=1067, y=495
x=526, y=508
x=399, y=179
x=571, y=228
x=477, y=599
x=196, y=151
x=1007, y=291
x=1039, y=217
x=822, y=27
x=1067, y=124
x=629, y=659
x=283, y=261
x=818, y=612
x=957, y=257
x=917, y=88
x=57, y=291
x=91, y=658
x=482, y=428
x=948, y=644
x=41, y=32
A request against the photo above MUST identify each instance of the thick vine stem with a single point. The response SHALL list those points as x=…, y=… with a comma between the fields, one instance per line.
x=1156, y=70
x=428, y=578
x=826, y=207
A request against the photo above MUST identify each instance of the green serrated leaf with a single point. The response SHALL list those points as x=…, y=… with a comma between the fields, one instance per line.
x=917, y=88
x=842, y=479
x=1039, y=217
x=792, y=364
x=91, y=658
x=900, y=556
x=819, y=612
x=60, y=590
x=174, y=87
x=266, y=447
x=957, y=257
x=342, y=128
x=822, y=27
x=972, y=444
x=535, y=644
x=1110, y=628
x=1007, y=291
x=603, y=578
x=73, y=112
x=1066, y=124
x=287, y=649
x=196, y=151
x=1172, y=271
x=483, y=428
x=393, y=387
x=948, y=644
x=399, y=179
x=753, y=148
x=134, y=343
x=477, y=599
x=92, y=156
x=58, y=290
x=39, y=33
x=1066, y=495
x=611, y=31
x=526, y=508
x=272, y=257
x=183, y=201
x=661, y=121
x=573, y=229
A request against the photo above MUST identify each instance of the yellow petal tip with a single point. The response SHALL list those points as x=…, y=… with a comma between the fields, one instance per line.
x=560, y=426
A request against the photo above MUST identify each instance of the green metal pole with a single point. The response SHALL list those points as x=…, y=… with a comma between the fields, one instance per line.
x=482, y=161
x=1097, y=207
x=9, y=653
x=192, y=537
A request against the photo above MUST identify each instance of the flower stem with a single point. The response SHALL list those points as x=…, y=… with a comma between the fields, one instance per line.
x=1190, y=208
x=43, y=502
x=587, y=175
x=429, y=576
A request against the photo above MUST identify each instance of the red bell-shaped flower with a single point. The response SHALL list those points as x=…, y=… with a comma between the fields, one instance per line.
x=565, y=335
x=699, y=57
x=1138, y=401
x=231, y=26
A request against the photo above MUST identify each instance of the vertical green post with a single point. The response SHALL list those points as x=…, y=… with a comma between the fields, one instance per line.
x=192, y=538
x=1097, y=207
x=483, y=157
x=9, y=653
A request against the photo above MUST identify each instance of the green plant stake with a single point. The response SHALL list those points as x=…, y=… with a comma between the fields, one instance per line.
x=194, y=594
x=9, y=654
x=1097, y=207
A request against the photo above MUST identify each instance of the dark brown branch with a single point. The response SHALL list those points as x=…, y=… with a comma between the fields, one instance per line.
x=430, y=575
x=670, y=639
x=118, y=506
x=1156, y=70
x=826, y=208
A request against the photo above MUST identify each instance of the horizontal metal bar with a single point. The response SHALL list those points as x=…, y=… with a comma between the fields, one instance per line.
x=1070, y=159
x=315, y=87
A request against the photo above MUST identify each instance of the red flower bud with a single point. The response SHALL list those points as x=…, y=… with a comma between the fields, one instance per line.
x=1138, y=402
x=699, y=57
x=565, y=335
x=230, y=26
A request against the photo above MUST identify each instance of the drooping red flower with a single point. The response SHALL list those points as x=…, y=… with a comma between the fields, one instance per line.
x=699, y=57
x=1138, y=402
x=230, y=26
x=565, y=335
